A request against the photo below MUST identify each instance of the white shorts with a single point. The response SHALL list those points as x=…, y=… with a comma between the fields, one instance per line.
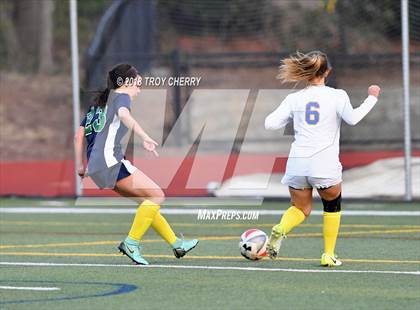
x=302, y=182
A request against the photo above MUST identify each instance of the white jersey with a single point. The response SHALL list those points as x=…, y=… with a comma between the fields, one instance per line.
x=316, y=112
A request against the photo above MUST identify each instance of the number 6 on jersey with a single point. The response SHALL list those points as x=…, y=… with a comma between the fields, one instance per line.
x=311, y=113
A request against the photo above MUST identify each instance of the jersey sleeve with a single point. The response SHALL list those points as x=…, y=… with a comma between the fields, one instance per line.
x=122, y=101
x=83, y=122
x=280, y=116
x=353, y=116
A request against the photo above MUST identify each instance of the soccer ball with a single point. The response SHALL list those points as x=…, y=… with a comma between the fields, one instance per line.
x=253, y=244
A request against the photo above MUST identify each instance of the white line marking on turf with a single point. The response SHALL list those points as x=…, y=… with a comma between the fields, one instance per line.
x=193, y=211
x=29, y=288
x=186, y=202
x=54, y=203
x=40, y=264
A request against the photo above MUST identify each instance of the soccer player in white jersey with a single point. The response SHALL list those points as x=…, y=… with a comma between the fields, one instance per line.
x=316, y=112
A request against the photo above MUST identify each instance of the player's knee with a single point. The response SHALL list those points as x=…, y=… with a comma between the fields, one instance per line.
x=158, y=197
x=332, y=205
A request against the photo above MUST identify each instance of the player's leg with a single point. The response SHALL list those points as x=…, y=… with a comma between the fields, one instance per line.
x=150, y=196
x=140, y=187
x=331, y=199
x=301, y=208
x=302, y=200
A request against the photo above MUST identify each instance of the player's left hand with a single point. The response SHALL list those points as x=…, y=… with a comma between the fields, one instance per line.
x=150, y=145
x=81, y=171
x=374, y=90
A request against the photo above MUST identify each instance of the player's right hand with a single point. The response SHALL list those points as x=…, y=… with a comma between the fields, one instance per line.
x=150, y=145
x=374, y=90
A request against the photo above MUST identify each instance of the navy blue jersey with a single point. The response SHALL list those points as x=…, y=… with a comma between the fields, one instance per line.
x=104, y=132
x=93, y=123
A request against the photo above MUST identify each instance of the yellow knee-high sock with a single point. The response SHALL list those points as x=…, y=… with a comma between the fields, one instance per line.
x=330, y=231
x=163, y=228
x=146, y=212
x=291, y=218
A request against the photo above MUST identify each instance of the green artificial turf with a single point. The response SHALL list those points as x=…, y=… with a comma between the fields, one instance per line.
x=370, y=243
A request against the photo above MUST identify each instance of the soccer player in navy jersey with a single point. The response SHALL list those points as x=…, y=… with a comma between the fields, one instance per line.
x=104, y=127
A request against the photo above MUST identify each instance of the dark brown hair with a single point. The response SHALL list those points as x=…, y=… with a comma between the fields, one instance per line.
x=116, y=77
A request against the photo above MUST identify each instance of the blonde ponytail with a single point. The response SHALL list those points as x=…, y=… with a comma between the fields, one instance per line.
x=303, y=67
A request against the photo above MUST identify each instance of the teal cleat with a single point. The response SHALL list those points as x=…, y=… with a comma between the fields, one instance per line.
x=132, y=249
x=182, y=246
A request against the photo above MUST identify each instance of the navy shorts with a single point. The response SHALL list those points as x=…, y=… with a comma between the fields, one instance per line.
x=123, y=173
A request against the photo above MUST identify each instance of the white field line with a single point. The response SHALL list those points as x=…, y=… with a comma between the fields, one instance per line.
x=25, y=288
x=40, y=264
x=43, y=210
x=186, y=202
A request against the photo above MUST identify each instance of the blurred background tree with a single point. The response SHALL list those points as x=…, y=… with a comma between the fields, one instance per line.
x=34, y=34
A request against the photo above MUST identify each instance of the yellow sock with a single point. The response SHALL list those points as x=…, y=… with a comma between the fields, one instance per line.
x=291, y=218
x=163, y=228
x=144, y=217
x=330, y=231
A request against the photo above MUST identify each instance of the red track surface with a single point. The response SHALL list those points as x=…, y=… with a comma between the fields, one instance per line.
x=56, y=178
